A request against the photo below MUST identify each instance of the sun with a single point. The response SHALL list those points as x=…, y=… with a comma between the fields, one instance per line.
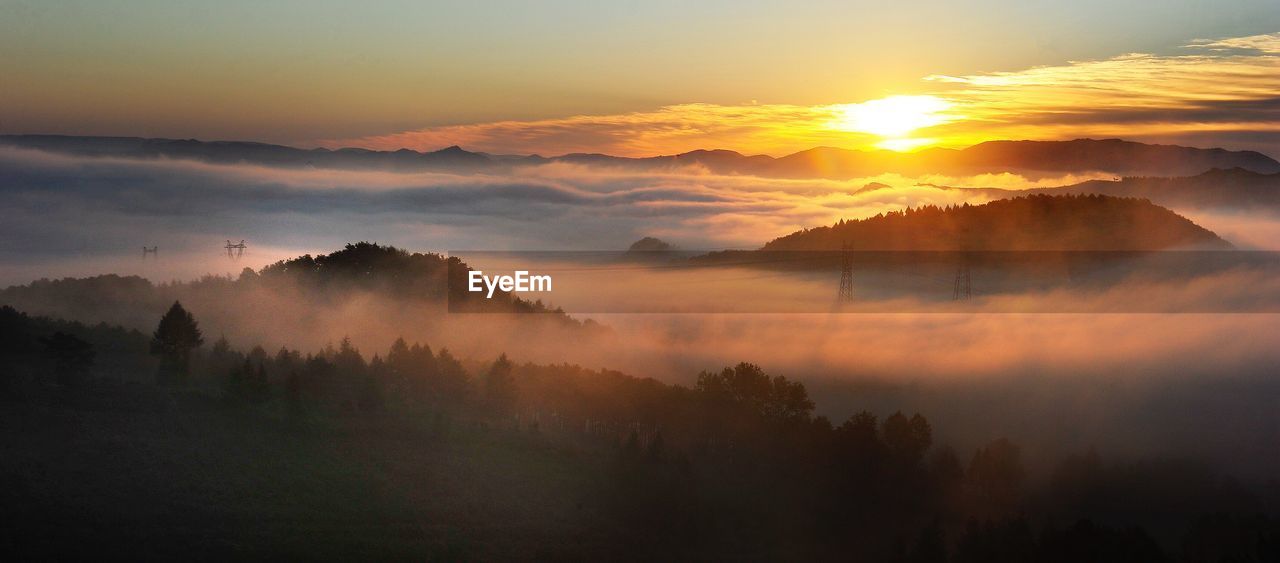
x=893, y=118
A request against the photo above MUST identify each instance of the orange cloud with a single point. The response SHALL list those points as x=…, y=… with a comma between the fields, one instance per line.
x=771, y=129
x=1222, y=92
x=1225, y=85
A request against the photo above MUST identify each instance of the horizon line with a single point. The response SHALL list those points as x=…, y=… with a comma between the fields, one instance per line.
x=302, y=147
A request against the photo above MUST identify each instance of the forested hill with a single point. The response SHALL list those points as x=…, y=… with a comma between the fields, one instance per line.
x=304, y=283
x=411, y=453
x=1036, y=222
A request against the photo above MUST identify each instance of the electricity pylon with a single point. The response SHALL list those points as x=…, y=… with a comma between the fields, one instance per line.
x=846, y=275
x=962, y=287
x=235, y=251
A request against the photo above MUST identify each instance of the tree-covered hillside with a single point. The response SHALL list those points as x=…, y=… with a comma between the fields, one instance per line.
x=1037, y=222
x=414, y=454
x=296, y=286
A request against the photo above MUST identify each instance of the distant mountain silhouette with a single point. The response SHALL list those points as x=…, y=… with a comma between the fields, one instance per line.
x=1081, y=155
x=650, y=244
x=1035, y=222
x=1235, y=189
x=233, y=152
x=871, y=187
x=1112, y=155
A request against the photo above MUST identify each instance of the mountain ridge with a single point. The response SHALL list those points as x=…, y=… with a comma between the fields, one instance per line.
x=1233, y=188
x=1079, y=155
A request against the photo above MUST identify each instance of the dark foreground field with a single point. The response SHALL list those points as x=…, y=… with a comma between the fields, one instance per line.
x=118, y=446
x=216, y=483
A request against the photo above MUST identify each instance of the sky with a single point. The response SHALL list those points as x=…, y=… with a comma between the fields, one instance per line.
x=643, y=78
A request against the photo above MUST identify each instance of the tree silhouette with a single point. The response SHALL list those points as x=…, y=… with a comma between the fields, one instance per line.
x=220, y=359
x=656, y=450
x=293, y=394
x=907, y=438
x=351, y=372
x=1005, y=541
x=72, y=358
x=930, y=546
x=371, y=389
x=454, y=381
x=248, y=384
x=499, y=387
x=995, y=475
x=174, y=339
x=748, y=386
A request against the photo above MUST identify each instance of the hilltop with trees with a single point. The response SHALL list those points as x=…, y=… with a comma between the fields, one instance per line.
x=432, y=282
x=650, y=244
x=1035, y=222
x=173, y=342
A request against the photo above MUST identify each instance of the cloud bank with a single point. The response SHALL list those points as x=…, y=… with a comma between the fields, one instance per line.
x=1217, y=93
x=70, y=215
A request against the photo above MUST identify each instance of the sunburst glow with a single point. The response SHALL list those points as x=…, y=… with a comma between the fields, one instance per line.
x=1187, y=98
x=894, y=116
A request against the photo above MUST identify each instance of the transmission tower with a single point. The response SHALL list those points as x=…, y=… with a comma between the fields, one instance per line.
x=962, y=288
x=846, y=275
x=235, y=251
x=150, y=251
